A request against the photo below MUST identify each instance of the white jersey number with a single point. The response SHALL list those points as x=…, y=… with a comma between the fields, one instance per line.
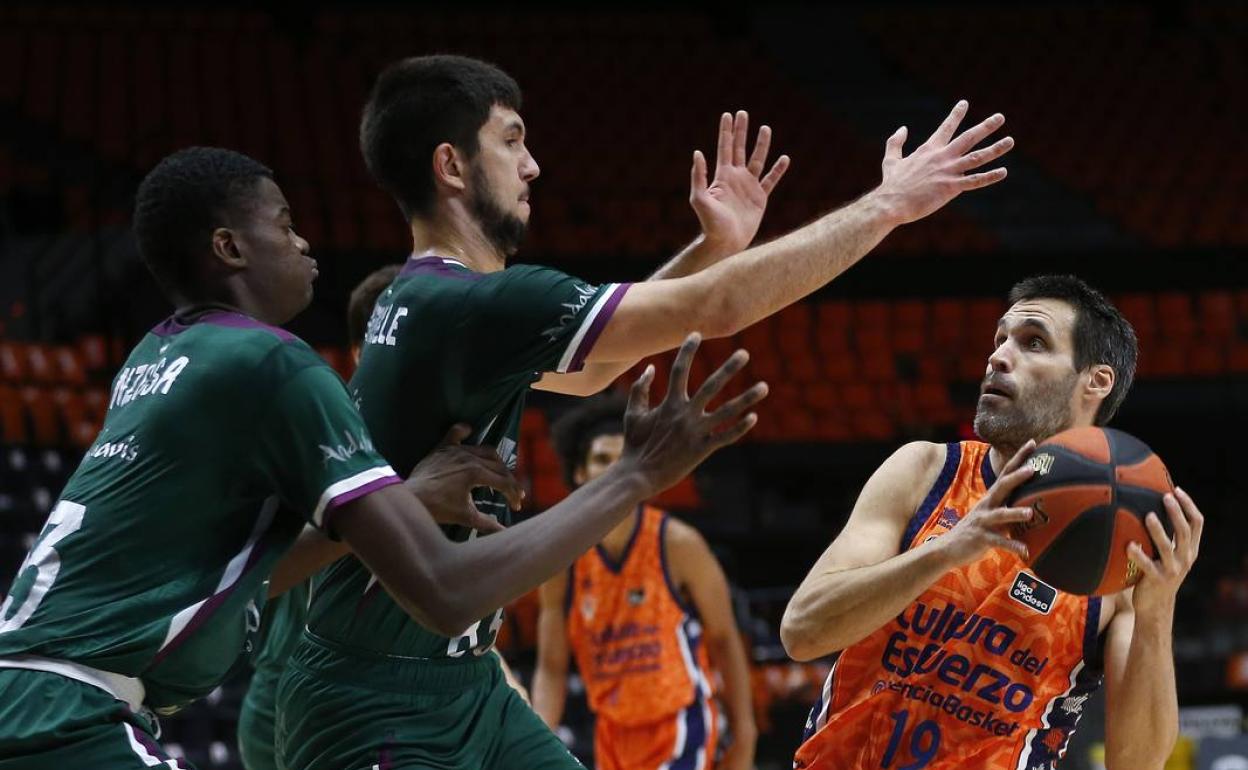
x=65, y=520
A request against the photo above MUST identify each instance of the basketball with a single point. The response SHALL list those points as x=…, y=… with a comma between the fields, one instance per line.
x=1091, y=490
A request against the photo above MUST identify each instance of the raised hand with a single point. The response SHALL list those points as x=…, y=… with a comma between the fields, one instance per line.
x=667, y=442
x=937, y=172
x=731, y=207
x=445, y=478
x=1162, y=576
x=987, y=525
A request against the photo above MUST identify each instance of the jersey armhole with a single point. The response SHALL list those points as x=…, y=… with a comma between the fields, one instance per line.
x=672, y=589
x=953, y=458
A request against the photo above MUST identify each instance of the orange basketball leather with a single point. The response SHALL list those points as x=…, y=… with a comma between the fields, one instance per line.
x=1150, y=474
x=1119, y=573
x=1055, y=508
x=1089, y=442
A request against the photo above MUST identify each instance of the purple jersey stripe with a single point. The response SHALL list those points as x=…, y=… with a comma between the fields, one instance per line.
x=596, y=326
x=358, y=492
x=437, y=266
x=174, y=325
x=209, y=607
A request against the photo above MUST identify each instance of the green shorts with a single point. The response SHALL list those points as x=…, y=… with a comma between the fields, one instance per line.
x=256, y=720
x=50, y=721
x=339, y=711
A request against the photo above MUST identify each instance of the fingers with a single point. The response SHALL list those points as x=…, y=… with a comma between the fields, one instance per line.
x=697, y=175
x=1142, y=560
x=774, y=176
x=678, y=383
x=976, y=134
x=762, y=146
x=892, y=148
x=482, y=523
x=731, y=410
x=639, y=395
x=1178, y=523
x=723, y=150
x=1007, y=544
x=456, y=435
x=976, y=181
x=719, y=378
x=1012, y=477
x=946, y=129
x=1004, y=517
x=1194, y=515
x=495, y=475
x=740, y=132
x=733, y=434
x=1165, y=548
x=986, y=155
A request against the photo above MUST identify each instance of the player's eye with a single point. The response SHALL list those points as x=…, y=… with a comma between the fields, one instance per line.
x=1035, y=343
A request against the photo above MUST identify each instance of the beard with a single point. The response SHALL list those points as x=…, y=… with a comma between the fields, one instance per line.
x=1039, y=415
x=504, y=231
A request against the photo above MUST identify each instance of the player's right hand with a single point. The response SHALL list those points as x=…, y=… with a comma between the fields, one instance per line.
x=936, y=172
x=667, y=442
x=987, y=525
x=445, y=478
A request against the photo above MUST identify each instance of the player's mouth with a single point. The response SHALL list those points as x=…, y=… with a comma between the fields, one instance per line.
x=315, y=271
x=996, y=390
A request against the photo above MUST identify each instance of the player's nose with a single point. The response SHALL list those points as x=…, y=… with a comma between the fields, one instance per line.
x=1000, y=360
x=529, y=170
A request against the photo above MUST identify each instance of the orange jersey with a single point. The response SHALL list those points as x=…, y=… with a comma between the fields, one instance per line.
x=638, y=645
x=989, y=668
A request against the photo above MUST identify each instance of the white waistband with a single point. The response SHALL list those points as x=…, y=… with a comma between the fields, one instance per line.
x=123, y=688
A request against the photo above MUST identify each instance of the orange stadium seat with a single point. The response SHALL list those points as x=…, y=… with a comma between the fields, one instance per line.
x=12, y=417
x=42, y=410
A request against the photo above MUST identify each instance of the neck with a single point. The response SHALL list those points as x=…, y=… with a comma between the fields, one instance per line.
x=453, y=232
x=617, y=539
x=999, y=455
x=232, y=298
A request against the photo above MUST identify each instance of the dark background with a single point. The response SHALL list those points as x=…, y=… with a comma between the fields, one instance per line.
x=1129, y=170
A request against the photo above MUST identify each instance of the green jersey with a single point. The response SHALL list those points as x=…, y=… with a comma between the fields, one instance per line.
x=462, y=347
x=222, y=437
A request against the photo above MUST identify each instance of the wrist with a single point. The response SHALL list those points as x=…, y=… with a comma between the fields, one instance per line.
x=743, y=729
x=629, y=475
x=1154, y=620
x=883, y=207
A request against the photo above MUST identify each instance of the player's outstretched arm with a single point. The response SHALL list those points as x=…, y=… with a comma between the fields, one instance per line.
x=1142, y=707
x=741, y=290
x=447, y=586
x=862, y=580
x=550, y=680
x=730, y=209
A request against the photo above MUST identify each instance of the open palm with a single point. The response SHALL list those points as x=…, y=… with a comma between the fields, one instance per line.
x=730, y=209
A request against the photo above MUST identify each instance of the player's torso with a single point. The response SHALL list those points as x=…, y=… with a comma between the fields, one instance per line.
x=418, y=375
x=158, y=546
x=988, y=668
x=637, y=645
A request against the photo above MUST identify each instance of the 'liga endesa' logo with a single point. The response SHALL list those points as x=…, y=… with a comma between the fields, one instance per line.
x=1034, y=593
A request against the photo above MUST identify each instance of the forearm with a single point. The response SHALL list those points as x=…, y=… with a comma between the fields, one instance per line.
x=833, y=610
x=697, y=256
x=311, y=552
x=439, y=583
x=728, y=656
x=1142, y=722
x=549, y=694
x=745, y=288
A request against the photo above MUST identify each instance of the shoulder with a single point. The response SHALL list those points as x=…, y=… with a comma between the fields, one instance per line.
x=918, y=463
x=683, y=545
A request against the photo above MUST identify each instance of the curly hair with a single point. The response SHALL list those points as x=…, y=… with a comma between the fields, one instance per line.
x=575, y=430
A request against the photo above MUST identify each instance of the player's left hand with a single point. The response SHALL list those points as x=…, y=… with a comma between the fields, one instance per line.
x=731, y=207
x=1155, y=593
x=444, y=481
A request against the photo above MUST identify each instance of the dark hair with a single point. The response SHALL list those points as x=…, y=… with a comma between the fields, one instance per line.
x=417, y=104
x=363, y=297
x=1102, y=335
x=574, y=432
x=181, y=201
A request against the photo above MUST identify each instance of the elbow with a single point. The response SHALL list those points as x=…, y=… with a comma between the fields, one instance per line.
x=796, y=638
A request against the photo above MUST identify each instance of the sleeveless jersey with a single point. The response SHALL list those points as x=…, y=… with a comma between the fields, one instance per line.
x=222, y=437
x=446, y=345
x=989, y=668
x=638, y=645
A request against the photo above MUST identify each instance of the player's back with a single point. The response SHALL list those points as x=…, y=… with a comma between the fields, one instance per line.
x=988, y=668
x=150, y=562
x=446, y=345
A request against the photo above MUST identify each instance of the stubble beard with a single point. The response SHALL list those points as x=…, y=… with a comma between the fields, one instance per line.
x=503, y=230
x=1041, y=415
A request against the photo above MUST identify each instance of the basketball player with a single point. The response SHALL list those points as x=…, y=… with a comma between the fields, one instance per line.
x=442, y=477
x=465, y=337
x=950, y=653
x=223, y=436
x=647, y=612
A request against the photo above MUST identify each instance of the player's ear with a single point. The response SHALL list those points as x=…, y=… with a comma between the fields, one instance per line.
x=579, y=475
x=225, y=248
x=449, y=169
x=355, y=354
x=1101, y=380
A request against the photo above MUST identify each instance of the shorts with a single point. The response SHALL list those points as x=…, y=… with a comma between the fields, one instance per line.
x=256, y=721
x=51, y=721
x=347, y=711
x=684, y=741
